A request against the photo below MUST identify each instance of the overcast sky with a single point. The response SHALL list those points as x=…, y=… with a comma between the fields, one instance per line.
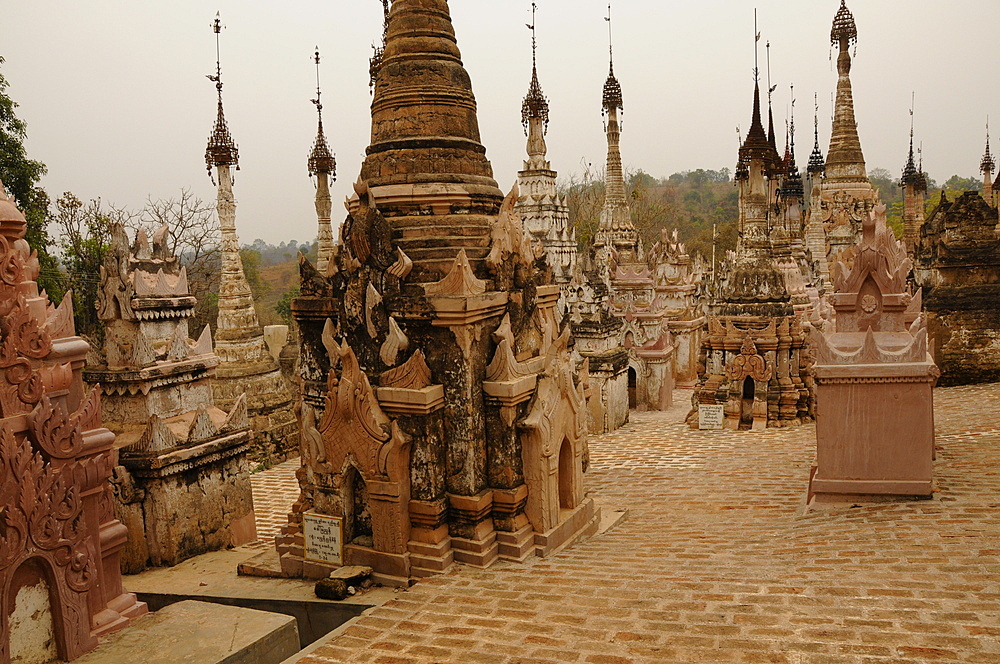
x=117, y=103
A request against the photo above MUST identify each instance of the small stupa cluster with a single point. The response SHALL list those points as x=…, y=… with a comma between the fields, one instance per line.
x=183, y=483
x=754, y=358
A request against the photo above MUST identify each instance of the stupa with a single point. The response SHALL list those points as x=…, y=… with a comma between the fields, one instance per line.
x=441, y=415
x=543, y=211
x=246, y=366
x=754, y=361
x=957, y=258
x=846, y=196
x=620, y=281
x=183, y=484
x=874, y=379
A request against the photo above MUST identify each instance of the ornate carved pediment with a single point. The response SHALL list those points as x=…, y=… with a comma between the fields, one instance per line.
x=749, y=363
x=353, y=424
x=43, y=510
x=558, y=410
x=879, y=256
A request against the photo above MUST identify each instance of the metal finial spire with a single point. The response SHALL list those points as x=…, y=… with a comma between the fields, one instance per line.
x=816, y=162
x=988, y=165
x=911, y=174
x=756, y=38
x=319, y=93
x=611, y=43
x=321, y=160
x=770, y=88
x=221, y=150
x=792, y=116
x=534, y=43
x=535, y=105
x=612, y=89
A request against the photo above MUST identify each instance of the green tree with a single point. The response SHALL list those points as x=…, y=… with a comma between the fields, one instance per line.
x=20, y=175
x=251, y=268
x=84, y=234
x=956, y=185
x=284, y=306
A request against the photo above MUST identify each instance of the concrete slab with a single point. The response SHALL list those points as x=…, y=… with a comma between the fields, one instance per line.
x=212, y=577
x=192, y=632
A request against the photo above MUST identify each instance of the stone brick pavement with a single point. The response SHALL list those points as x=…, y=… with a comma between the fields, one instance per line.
x=274, y=491
x=719, y=562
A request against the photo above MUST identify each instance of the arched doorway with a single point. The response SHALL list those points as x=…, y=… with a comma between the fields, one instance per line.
x=31, y=619
x=357, y=516
x=566, y=477
x=633, y=384
x=746, y=403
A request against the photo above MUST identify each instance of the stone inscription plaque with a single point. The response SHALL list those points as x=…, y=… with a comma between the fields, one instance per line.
x=324, y=538
x=711, y=416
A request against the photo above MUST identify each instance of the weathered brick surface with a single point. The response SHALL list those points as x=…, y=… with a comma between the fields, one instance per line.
x=718, y=562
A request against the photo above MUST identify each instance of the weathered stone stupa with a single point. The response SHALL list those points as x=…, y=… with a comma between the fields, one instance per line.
x=322, y=166
x=846, y=196
x=183, y=486
x=874, y=379
x=246, y=366
x=620, y=282
x=914, y=186
x=441, y=417
x=676, y=278
x=958, y=267
x=543, y=211
x=753, y=356
x=61, y=542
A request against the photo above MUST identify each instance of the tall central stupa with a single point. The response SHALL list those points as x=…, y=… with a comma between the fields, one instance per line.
x=426, y=166
x=442, y=420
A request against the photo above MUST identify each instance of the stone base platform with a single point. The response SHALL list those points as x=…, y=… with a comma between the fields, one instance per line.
x=193, y=631
x=580, y=522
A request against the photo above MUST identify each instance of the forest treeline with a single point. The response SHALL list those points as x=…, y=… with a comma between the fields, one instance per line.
x=698, y=201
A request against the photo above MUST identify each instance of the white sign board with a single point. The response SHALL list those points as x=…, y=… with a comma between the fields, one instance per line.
x=711, y=416
x=324, y=538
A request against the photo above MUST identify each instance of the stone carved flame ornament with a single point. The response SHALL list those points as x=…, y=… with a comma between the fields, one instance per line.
x=459, y=282
x=114, y=299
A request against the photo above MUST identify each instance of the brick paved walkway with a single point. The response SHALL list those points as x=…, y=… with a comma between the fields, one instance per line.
x=718, y=562
x=274, y=491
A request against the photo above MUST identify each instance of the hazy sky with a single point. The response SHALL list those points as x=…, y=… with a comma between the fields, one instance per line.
x=117, y=103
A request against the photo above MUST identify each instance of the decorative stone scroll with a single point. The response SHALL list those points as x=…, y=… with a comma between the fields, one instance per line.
x=58, y=528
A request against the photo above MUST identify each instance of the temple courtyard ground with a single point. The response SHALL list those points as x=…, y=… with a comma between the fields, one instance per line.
x=719, y=561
